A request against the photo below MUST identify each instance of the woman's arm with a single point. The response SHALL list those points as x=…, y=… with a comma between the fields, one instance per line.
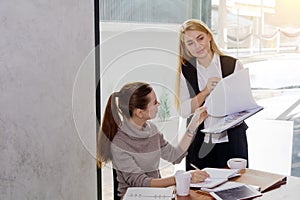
x=199, y=116
x=189, y=105
x=196, y=177
x=198, y=100
x=163, y=182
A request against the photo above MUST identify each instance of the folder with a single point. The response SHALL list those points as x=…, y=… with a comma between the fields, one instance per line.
x=221, y=124
x=265, y=180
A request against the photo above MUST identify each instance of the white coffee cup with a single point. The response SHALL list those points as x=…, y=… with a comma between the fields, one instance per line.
x=237, y=163
x=183, y=180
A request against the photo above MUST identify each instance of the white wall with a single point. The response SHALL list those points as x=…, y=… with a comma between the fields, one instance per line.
x=47, y=132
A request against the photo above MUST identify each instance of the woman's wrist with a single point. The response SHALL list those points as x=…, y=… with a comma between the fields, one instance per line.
x=191, y=131
x=200, y=98
x=205, y=92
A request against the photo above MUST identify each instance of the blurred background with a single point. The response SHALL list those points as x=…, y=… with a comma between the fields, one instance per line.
x=139, y=41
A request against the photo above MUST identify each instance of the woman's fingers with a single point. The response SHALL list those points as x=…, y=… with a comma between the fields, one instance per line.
x=199, y=176
x=212, y=82
x=201, y=112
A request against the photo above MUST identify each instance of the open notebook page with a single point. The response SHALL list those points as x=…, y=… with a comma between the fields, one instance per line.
x=217, y=177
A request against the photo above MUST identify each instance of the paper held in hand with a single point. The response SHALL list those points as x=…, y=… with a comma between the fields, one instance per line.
x=230, y=103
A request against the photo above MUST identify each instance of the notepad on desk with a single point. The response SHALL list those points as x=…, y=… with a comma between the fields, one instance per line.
x=149, y=193
x=217, y=177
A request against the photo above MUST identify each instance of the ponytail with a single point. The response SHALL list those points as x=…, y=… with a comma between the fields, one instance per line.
x=110, y=124
x=131, y=96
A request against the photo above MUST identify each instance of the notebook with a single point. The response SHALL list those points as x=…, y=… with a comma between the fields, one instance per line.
x=217, y=177
x=149, y=193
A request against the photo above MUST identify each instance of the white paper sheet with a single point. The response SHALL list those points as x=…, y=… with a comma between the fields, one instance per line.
x=232, y=94
x=230, y=103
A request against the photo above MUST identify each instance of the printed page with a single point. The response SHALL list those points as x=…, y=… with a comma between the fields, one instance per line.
x=232, y=94
x=220, y=124
x=148, y=193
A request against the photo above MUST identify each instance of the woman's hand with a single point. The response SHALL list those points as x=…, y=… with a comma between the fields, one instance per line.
x=211, y=83
x=199, y=116
x=198, y=176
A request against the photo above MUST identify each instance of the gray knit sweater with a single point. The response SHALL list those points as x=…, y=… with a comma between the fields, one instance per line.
x=136, y=155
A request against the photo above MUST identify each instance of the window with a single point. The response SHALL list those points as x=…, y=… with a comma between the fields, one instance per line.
x=139, y=43
x=149, y=11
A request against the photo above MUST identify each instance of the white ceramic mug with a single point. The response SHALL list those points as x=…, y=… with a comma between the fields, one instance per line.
x=183, y=180
x=237, y=163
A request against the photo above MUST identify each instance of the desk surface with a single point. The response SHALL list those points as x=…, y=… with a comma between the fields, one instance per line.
x=290, y=191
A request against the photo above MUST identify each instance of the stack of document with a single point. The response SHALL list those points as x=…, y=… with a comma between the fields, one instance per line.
x=217, y=177
x=230, y=103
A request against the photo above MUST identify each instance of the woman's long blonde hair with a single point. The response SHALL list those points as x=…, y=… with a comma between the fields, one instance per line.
x=184, y=54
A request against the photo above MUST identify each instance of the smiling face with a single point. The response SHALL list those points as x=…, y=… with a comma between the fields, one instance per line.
x=197, y=43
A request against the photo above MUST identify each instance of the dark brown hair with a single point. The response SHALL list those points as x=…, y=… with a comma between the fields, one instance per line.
x=120, y=105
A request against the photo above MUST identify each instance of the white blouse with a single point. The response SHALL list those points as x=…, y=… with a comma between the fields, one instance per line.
x=203, y=74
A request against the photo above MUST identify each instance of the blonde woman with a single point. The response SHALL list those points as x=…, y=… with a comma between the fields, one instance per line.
x=201, y=65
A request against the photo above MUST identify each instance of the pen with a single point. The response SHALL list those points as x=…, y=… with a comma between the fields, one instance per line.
x=194, y=166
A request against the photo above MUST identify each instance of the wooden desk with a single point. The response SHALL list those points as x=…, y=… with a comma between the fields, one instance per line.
x=290, y=190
